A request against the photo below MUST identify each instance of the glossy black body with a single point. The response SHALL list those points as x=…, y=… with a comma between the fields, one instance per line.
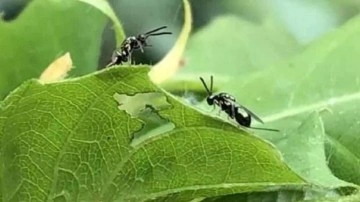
x=123, y=54
x=227, y=103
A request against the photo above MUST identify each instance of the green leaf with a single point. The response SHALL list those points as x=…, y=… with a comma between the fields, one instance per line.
x=105, y=8
x=45, y=30
x=142, y=106
x=236, y=45
x=325, y=76
x=69, y=141
x=305, y=153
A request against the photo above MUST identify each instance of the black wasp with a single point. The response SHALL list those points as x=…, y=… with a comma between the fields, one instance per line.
x=228, y=104
x=123, y=54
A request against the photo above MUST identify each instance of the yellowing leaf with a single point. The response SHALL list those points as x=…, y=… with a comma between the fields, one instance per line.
x=58, y=69
x=45, y=30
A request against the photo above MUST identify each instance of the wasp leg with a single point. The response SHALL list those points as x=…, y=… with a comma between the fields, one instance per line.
x=130, y=59
x=109, y=65
x=213, y=109
x=141, y=46
x=233, y=111
x=113, y=60
x=232, y=114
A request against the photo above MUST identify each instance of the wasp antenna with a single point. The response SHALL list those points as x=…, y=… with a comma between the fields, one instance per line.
x=157, y=34
x=211, y=83
x=207, y=89
x=155, y=30
x=266, y=129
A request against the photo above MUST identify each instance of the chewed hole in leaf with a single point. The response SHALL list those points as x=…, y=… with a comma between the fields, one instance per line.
x=134, y=105
x=145, y=107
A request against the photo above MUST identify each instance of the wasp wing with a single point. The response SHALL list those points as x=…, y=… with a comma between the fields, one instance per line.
x=252, y=114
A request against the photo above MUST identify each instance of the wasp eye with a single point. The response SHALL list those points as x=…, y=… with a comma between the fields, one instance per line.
x=210, y=101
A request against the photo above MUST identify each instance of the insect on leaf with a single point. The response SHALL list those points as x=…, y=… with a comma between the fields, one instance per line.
x=69, y=140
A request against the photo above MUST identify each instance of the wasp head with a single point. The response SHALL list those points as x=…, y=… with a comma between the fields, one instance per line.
x=210, y=99
x=142, y=39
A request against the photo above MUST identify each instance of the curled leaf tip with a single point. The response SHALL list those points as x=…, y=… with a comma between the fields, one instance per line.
x=168, y=66
x=104, y=7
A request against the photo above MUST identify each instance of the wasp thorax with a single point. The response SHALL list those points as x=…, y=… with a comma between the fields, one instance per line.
x=133, y=43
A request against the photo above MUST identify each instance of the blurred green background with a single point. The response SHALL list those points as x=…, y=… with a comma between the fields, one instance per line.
x=304, y=20
x=272, y=55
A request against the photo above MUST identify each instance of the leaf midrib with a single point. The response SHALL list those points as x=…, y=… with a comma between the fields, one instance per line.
x=75, y=127
x=322, y=104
